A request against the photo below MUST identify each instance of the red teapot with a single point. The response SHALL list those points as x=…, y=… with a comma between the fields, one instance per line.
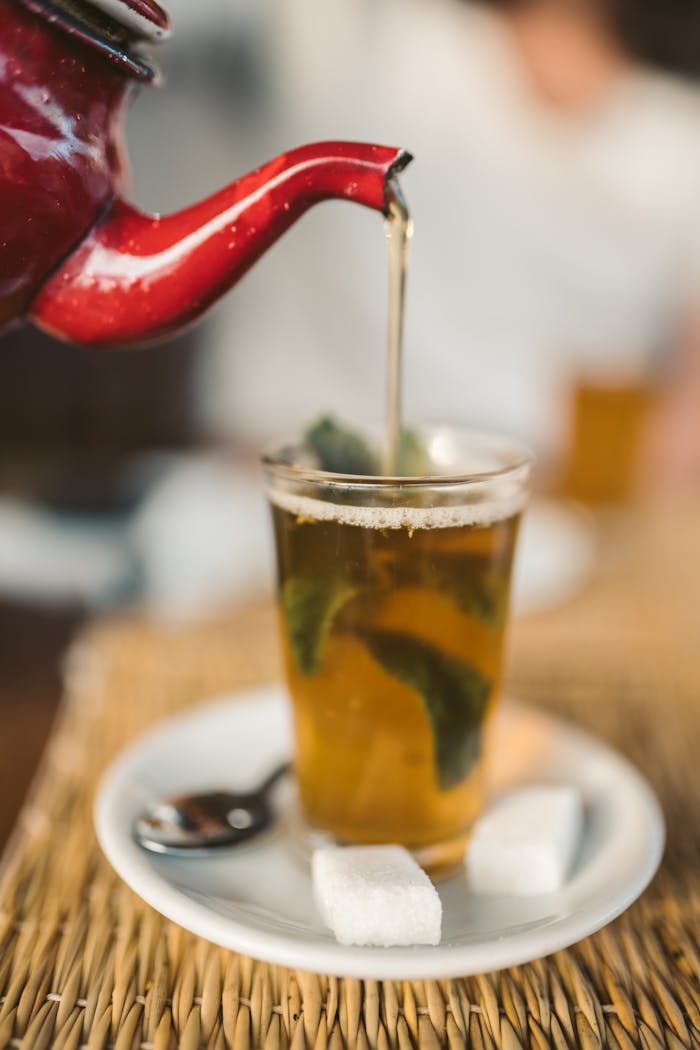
x=76, y=259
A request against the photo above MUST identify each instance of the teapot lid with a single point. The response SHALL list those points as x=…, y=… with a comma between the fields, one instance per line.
x=117, y=28
x=144, y=18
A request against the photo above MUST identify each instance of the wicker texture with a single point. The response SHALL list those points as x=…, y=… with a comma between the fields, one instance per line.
x=84, y=963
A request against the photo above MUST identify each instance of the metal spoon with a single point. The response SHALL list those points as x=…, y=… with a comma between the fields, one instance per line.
x=189, y=823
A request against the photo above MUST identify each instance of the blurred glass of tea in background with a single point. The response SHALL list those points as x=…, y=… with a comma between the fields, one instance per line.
x=603, y=448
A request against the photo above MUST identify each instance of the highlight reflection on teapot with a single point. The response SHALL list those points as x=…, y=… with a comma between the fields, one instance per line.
x=75, y=258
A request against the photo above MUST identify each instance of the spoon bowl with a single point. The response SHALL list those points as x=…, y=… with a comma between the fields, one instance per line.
x=197, y=823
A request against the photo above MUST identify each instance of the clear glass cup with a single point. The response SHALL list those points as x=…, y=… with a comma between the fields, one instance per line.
x=393, y=597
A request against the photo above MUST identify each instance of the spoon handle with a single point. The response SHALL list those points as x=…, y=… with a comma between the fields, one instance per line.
x=274, y=776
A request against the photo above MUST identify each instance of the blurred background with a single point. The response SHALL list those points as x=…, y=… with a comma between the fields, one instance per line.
x=553, y=292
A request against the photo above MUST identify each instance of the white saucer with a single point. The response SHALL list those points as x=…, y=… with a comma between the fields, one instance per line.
x=256, y=898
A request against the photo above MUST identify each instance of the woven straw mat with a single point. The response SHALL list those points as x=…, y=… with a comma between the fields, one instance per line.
x=84, y=963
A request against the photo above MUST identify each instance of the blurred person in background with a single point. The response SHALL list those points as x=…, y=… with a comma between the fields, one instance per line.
x=557, y=246
x=554, y=276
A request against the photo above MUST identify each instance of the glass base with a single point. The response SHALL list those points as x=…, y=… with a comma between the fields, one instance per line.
x=439, y=859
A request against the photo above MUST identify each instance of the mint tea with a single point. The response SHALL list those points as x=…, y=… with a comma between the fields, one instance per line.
x=393, y=599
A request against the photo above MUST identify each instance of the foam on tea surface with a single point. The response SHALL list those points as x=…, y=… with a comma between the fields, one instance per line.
x=477, y=514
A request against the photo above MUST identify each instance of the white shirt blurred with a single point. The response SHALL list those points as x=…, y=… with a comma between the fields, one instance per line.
x=544, y=244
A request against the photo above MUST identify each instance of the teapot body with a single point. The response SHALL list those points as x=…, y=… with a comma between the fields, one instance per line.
x=61, y=153
x=75, y=258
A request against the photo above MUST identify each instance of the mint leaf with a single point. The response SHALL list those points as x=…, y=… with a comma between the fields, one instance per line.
x=455, y=696
x=340, y=450
x=480, y=590
x=414, y=461
x=309, y=607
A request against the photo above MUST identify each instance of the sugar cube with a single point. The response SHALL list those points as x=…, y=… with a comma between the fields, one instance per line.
x=375, y=895
x=526, y=842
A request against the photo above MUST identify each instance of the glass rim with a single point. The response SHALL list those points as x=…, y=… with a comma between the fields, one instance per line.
x=523, y=459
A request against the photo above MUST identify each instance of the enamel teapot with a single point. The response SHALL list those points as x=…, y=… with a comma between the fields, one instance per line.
x=76, y=259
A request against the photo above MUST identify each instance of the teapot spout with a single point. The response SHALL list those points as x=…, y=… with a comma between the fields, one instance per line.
x=136, y=277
